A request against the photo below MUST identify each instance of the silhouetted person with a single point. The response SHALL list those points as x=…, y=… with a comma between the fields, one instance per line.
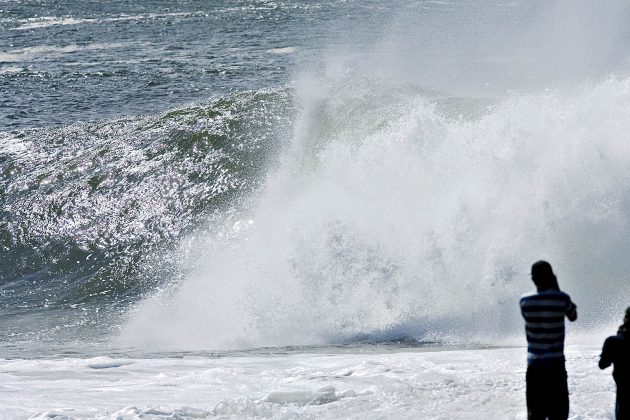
x=544, y=311
x=616, y=351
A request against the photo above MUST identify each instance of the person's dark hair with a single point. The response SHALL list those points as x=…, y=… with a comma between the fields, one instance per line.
x=625, y=327
x=543, y=276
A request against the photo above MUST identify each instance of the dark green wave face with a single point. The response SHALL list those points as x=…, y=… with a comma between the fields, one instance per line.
x=87, y=210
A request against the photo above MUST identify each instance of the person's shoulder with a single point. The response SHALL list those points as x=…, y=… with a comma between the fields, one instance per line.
x=613, y=340
x=545, y=295
x=564, y=295
x=557, y=294
x=528, y=296
x=618, y=337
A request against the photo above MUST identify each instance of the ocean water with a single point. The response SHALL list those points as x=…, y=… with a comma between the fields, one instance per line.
x=233, y=209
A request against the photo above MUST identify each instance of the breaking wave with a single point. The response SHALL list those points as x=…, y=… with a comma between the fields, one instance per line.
x=395, y=212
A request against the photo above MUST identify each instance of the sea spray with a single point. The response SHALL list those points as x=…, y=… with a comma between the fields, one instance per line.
x=391, y=215
x=486, y=48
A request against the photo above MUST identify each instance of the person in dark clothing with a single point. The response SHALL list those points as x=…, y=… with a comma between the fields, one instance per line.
x=616, y=351
x=547, y=392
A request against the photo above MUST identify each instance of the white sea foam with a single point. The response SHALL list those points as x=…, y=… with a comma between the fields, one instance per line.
x=48, y=21
x=29, y=53
x=462, y=384
x=11, y=144
x=106, y=363
x=285, y=50
x=10, y=69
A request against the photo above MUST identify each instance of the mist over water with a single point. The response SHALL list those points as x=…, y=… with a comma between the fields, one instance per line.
x=485, y=48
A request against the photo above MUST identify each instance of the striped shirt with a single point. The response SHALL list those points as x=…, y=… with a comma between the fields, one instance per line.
x=544, y=314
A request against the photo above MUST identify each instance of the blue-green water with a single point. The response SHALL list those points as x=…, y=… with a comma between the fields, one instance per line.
x=68, y=61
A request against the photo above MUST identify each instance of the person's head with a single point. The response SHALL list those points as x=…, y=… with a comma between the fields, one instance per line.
x=625, y=327
x=543, y=276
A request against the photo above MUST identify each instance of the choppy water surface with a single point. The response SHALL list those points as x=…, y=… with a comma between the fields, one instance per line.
x=68, y=61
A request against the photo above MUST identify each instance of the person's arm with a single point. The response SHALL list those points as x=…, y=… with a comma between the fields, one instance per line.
x=605, y=358
x=520, y=305
x=571, y=311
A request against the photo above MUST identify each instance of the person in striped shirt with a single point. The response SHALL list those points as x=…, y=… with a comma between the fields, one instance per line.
x=547, y=393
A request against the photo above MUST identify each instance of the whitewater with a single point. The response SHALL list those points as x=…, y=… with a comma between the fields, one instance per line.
x=310, y=210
